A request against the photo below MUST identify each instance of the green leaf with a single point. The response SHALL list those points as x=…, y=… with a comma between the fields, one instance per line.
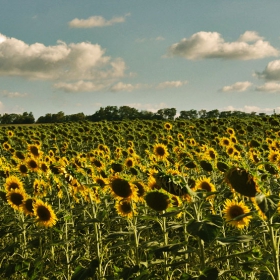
x=210, y=273
x=235, y=239
x=206, y=230
x=267, y=204
x=84, y=273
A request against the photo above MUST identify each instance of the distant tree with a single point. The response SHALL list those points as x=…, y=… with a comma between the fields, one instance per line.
x=75, y=117
x=126, y=112
x=202, y=113
x=213, y=114
x=188, y=115
x=166, y=113
x=225, y=114
x=8, y=118
x=58, y=117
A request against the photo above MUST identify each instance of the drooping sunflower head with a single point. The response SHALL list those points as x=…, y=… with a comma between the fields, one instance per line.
x=234, y=213
x=44, y=214
x=15, y=198
x=158, y=200
x=13, y=183
x=242, y=182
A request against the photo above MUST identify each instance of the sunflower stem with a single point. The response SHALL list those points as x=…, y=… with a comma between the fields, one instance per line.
x=165, y=234
x=275, y=250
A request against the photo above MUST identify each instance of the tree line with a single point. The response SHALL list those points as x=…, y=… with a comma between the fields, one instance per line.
x=114, y=113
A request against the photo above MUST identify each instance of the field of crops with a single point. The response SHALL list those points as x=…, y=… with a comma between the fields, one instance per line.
x=141, y=200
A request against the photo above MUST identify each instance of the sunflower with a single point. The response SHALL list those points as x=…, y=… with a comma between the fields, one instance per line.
x=141, y=190
x=158, y=200
x=273, y=156
x=168, y=126
x=125, y=208
x=44, y=214
x=34, y=150
x=224, y=141
x=233, y=213
x=242, y=182
x=13, y=183
x=121, y=188
x=102, y=182
x=6, y=146
x=27, y=206
x=204, y=184
x=32, y=164
x=22, y=169
x=160, y=151
x=129, y=162
x=40, y=188
x=230, y=131
x=15, y=198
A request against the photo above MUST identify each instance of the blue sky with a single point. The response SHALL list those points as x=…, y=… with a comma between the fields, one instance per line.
x=78, y=56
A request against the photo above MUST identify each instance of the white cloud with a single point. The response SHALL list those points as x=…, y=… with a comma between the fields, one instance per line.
x=269, y=87
x=271, y=72
x=148, y=106
x=171, y=84
x=120, y=86
x=142, y=40
x=211, y=45
x=9, y=94
x=250, y=36
x=96, y=21
x=80, y=86
x=251, y=108
x=68, y=62
x=238, y=86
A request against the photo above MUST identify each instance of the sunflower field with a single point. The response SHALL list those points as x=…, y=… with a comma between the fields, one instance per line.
x=183, y=199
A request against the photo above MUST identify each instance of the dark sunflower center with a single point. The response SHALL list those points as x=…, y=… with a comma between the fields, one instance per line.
x=43, y=213
x=125, y=207
x=236, y=211
x=121, y=187
x=34, y=150
x=14, y=186
x=157, y=201
x=160, y=151
x=23, y=168
x=100, y=182
x=32, y=164
x=140, y=191
x=16, y=198
x=29, y=205
x=129, y=163
x=205, y=186
x=212, y=155
x=97, y=163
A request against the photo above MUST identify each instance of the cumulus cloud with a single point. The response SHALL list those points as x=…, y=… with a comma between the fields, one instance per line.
x=250, y=36
x=238, y=86
x=79, y=86
x=68, y=62
x=6, y=93
x=96, y=21
x=120, y=86
x=269, y=87
x=271, y=72
x=171, y=84
x=252, y=108
x=142, y=40
x=211, y=45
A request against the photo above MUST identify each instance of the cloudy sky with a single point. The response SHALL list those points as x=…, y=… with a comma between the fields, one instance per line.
x=78, y=56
